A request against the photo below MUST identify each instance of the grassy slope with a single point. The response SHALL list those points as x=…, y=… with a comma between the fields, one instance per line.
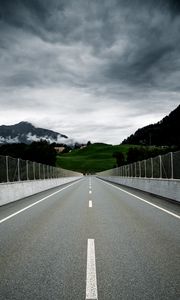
x=94, y=158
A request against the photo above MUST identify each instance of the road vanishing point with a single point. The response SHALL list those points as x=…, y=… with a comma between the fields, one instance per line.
x=90, y=240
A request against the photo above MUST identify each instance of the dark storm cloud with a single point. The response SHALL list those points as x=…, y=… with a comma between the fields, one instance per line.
x=147, y=28
x=98, y=54
x=153, y=47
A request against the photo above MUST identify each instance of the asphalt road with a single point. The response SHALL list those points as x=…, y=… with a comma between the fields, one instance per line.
x=90, y=240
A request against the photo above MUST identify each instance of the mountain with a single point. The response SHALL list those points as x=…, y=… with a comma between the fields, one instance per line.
x=25, y=132
x=163, y=133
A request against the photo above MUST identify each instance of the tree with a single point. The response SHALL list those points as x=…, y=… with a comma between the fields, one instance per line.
x=120, y=160
x=41, y=152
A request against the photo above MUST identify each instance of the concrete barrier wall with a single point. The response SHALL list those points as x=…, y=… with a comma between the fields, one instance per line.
x=13, y=191
x=161, y=187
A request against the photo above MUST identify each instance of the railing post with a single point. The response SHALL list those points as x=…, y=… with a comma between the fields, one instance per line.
x=160, y=166
x=34, y=175
x=44, y=171
x=39, y=171
x=135, y=170
x=7, y=169
x=47, y=171
x=49, y=175
x=50, y=172
x=145, y=168
x=172, y=166
x=139, y=169
x=152, y=169
x=18, y=169
x=27, y=171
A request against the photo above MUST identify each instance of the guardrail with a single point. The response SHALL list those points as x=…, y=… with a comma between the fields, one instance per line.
x=16, y=169
x=162, y=166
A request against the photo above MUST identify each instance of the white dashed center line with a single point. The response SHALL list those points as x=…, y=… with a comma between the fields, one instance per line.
x=90, y=203
x=91, y=280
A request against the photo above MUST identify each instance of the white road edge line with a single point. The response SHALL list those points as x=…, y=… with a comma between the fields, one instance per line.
x=163, y=209
x=91, y=279
x=31, y=205
x=90, y=203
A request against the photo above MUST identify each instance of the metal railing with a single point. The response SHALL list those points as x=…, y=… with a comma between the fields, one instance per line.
x=16, y=169
x=162, y=166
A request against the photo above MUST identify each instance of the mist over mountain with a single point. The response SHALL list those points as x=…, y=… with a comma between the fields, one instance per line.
x=163, y=133
x=25, y=132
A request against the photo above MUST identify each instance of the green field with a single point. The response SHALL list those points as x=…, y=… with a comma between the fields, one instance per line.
x=94, y=158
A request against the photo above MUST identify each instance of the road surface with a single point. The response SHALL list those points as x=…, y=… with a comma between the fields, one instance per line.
x=90, y=240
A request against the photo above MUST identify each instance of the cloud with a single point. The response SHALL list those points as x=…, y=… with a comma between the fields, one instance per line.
x=34, y=138
x=9, y=140
x=89, y=69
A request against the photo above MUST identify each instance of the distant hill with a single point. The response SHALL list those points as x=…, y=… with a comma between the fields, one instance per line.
x=98, y=157
x=25, y=132
x=164, y=133
x=91, y=159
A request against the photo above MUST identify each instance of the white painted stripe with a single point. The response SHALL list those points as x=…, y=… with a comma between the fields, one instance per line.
x=35, y=203
x=90, y=192
x=91, y=280
x=90, y=203
x=157, y=206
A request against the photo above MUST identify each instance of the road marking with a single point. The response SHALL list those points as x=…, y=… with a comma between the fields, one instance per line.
x=163, y=209
x=35, y=203
x=90, y=203
x=90, y=192
x=91, y=280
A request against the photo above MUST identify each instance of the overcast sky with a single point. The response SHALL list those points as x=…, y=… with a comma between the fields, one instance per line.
x=92, y=70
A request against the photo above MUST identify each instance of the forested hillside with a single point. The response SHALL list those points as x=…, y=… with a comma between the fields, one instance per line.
x=164, y=133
